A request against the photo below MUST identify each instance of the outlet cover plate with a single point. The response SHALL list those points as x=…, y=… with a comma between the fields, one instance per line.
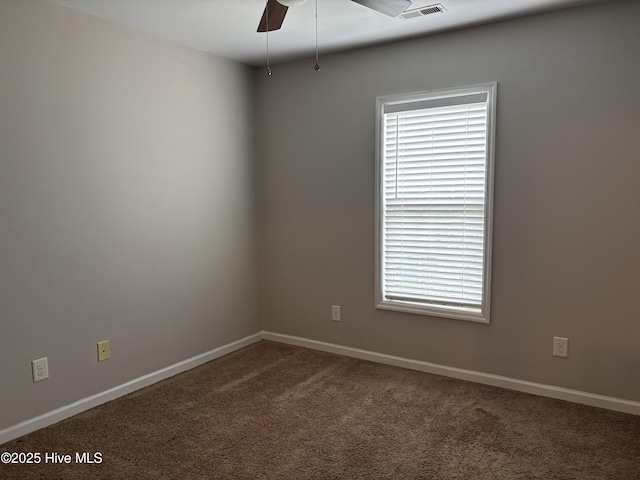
x=560, y=347
x=103, y=350
x=335, y=313
x=40, y=369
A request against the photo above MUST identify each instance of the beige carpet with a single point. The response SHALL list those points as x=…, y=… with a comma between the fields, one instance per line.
x=281, y=412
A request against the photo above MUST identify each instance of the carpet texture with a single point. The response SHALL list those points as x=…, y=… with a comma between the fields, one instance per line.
x=274, y=411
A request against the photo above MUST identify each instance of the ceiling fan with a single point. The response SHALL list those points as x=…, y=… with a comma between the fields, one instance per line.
x=277, y=9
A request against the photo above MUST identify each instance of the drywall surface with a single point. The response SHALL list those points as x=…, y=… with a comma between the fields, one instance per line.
x=127, y=205
x=566, y=250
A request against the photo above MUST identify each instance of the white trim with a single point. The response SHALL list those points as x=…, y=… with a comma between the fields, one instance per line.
x=80, y=406
x=483, y=315
x=561, y=393
x=455, y=313
x=551, y=391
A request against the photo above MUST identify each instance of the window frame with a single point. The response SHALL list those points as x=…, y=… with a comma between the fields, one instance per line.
x=483, y=314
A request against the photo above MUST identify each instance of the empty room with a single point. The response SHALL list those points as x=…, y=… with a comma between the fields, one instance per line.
x=328, y=239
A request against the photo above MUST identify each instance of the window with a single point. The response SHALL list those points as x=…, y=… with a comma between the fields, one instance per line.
x=434, y=171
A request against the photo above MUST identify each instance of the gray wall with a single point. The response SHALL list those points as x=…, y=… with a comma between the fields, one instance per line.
x=567, y=221
x=127, y=204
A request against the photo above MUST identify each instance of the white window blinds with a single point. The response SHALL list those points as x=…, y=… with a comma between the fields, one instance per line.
x=434, y=166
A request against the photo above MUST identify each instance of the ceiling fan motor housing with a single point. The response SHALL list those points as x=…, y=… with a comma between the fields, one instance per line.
x=291, y=3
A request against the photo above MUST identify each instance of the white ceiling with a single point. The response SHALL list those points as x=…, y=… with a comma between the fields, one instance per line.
x=227, y=28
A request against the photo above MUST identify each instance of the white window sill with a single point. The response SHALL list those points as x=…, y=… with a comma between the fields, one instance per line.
x=456, y=313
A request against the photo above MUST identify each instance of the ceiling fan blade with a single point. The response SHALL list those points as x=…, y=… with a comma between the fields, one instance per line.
x=277, y=11
x=393, y=8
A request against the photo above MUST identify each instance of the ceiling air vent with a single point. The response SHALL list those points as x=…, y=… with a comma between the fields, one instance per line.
x=421, y=12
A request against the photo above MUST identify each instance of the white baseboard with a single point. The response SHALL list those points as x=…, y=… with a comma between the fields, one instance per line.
x=80, y=406
x=576, y=396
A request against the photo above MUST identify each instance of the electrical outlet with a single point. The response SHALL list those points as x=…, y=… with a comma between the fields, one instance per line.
x=103, y=350
x=335, y=313
x=40, y=369
x=560, y=347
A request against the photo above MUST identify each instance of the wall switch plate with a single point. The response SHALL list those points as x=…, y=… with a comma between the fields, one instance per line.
x=560, y=347
x=103, y=350
x=335, y=313
x=40, y=369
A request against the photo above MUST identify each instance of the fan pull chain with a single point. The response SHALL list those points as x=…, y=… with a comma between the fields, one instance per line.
x=267, y=34
x=317, y=65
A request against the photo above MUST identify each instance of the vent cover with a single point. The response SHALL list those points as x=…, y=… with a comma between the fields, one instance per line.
x=421, y=12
